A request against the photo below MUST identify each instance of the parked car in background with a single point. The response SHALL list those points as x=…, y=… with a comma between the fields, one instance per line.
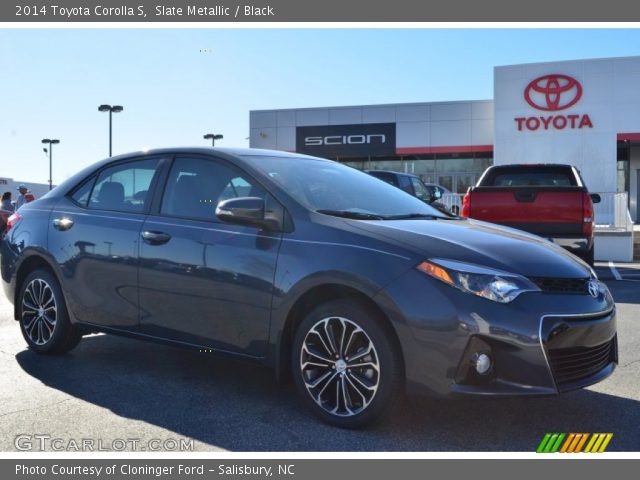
x=451, y=201
x=549, y=200
x=413, y=185
x=342, y=282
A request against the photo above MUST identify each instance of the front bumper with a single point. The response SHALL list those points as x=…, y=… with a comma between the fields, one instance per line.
x=540, y=344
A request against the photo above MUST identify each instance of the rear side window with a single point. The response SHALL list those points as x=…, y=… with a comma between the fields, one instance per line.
x=196, y=185
x=530, y=177
x=124, y=187
x=82, y=193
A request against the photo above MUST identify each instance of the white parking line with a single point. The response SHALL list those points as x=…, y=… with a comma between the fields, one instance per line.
x=614, y=271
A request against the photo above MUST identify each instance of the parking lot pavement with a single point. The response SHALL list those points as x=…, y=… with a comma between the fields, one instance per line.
x=112, y=388
x=618, y=271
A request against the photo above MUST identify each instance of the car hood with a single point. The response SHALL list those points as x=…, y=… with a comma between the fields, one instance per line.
x=481, y=243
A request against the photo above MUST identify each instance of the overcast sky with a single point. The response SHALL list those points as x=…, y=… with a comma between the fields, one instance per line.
x=177, y=84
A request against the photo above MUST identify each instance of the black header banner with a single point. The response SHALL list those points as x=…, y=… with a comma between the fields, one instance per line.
x=317, y=11
x=355, y=140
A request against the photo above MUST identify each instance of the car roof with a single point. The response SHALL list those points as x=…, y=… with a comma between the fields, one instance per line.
x=222, y=152
x=210, y=150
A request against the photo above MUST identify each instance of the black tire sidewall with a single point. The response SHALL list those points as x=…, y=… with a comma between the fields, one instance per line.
x=63, y=328
x=388, y=357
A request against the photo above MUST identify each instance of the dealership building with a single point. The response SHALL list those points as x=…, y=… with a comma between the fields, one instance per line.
x=582, y=112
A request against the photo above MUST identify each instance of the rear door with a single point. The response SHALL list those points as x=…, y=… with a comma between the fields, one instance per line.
x=202, y=281
x=94, y=234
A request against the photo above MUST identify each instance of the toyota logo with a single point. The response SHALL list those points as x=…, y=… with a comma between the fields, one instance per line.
x=553, y=92
x=593, y=288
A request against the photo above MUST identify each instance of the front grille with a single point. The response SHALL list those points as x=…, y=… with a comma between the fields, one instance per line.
x=571, y=365
x=562, y=285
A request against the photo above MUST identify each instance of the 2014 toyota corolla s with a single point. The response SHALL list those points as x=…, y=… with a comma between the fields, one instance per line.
x=354, y=288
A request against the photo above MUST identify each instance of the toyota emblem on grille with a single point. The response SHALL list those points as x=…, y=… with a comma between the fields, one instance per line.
x=593, y=288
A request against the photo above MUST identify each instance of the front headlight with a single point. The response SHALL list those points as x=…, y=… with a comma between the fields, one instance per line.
x=495, y=285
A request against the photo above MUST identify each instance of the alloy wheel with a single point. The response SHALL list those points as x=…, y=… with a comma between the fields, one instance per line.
x=340, y=366
x=39, y=311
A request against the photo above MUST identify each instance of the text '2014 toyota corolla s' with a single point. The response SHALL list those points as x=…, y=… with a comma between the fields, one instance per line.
x=354, y=288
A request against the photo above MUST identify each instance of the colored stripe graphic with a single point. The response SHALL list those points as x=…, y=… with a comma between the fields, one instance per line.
x=598, y=443
x=551, y=443
x=574, y=443
x=606, y=442
x=581, y=443
x=567, y=443
x=543, y=443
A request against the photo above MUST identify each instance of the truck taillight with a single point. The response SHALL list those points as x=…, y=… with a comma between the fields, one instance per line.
x=587, y=215
x=12, y=220
x=466, y=205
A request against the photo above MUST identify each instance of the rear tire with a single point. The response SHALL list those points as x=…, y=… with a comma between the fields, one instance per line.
x=346, y=366
x=44, y=320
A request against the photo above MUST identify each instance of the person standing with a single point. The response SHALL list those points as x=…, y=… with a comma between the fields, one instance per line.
x=25, y=196
x=6, y=209
x=6, y=202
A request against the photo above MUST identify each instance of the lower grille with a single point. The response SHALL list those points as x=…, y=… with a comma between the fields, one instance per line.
x=571, y=365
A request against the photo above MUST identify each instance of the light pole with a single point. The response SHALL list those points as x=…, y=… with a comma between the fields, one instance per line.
x=213, y=137
x=51, y=142
x=111, y=109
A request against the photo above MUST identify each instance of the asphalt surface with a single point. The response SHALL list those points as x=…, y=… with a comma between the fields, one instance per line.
x=115, y=390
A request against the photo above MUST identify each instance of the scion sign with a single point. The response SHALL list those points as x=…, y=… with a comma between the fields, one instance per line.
x=347, y=140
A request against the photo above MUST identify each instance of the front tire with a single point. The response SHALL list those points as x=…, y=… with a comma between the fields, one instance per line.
x=346, y=366
x=44, y=320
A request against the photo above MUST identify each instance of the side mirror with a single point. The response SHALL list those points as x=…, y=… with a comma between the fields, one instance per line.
x=595, y=198
x=437, y=194
x=247, y=211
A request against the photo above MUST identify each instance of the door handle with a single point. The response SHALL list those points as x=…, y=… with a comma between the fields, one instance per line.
x=62, y=224
x=153, y=237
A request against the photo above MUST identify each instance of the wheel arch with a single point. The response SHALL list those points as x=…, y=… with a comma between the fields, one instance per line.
x=28, y=265
x=307, y=301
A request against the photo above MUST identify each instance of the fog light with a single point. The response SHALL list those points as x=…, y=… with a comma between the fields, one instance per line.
x=483, y=363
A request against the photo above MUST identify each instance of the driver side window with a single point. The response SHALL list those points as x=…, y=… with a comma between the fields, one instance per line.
x=196, y=185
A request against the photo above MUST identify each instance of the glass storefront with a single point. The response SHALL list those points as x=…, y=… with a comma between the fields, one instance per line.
x=455, y=172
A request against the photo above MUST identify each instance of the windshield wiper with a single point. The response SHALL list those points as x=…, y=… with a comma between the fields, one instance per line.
x=407, y=216
x=352, y=214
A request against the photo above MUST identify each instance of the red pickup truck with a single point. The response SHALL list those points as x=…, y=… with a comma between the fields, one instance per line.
x=548, y=200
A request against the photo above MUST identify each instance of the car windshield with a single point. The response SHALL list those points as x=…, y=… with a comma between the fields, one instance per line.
x=336, y=189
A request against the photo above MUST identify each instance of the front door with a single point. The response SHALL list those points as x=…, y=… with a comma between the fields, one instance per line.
x=204, y=282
